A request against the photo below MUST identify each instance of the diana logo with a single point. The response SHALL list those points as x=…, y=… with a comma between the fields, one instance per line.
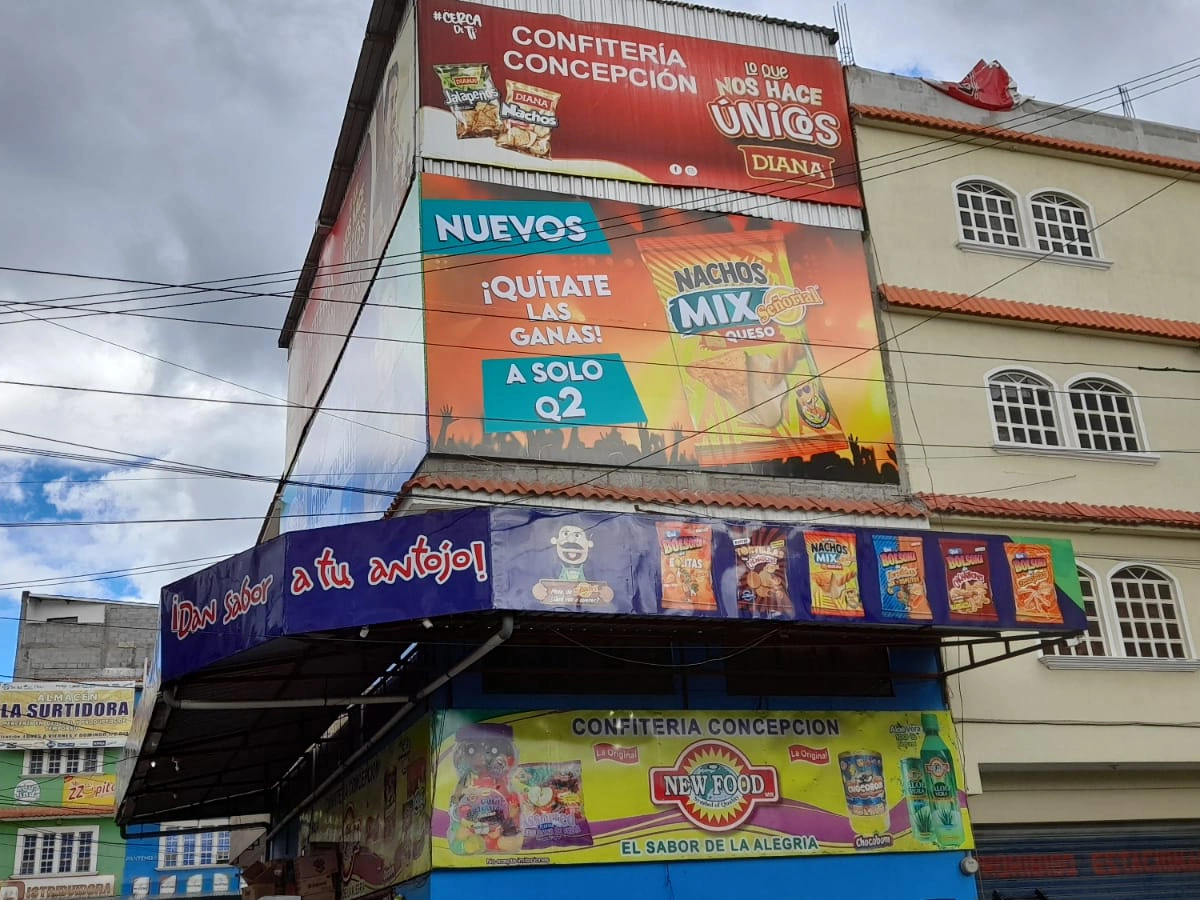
x=714, y=785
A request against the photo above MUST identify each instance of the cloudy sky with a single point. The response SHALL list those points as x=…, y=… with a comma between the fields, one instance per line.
x=189, y=141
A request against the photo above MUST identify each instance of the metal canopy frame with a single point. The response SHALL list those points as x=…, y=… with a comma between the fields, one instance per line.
x=213, y=751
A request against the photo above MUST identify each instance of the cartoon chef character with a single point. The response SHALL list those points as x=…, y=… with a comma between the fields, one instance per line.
x=573, y=546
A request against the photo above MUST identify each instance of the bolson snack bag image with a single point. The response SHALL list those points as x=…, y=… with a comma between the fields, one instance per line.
x=686, y=558
x=737, y=324
x=472, y=96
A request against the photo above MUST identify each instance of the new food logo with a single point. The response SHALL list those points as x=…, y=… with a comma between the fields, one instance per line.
x=714, y=785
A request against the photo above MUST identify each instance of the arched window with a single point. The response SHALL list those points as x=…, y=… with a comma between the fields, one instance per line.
x=1104, y=416
x=987, y=214
x=1060, y=225
x=195, y=883
x=1091, y=643
x=1146, y=611
x=220, y=883
x=166, y=887
x=1023, y=409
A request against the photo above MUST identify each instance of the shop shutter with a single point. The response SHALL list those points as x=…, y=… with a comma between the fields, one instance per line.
x=1133, y=861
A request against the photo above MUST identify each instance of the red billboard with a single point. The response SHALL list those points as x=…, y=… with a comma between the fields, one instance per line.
x=522, y=90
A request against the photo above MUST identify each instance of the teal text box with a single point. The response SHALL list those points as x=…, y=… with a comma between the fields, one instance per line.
x=514, y=227
x=533, y=393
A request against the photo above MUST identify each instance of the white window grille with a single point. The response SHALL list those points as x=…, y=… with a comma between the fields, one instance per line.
x=71, y=761
x=1023, y=410
x=987, y=214
x=1147, y=614
x=1060, y=225
x=1105, y=416
x=188, y=850
x=55, y=851
x=1092, y=642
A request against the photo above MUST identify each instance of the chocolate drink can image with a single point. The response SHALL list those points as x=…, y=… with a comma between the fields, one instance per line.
x=866, y=791
x=736, y=318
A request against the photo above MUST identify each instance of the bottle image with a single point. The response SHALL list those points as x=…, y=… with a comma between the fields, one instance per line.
x=938, y=764
x=916, y=795
x=866, y=792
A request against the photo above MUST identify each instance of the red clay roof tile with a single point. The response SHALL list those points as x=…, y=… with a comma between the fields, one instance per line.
x=1051, y=511
x=662, y=495
x=970, y=129
x=1039, y=313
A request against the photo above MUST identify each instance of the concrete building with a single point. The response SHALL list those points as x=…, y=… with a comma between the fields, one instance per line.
x=73, y=639
x=591, y=570
x=1037, y=275
x=80, y=664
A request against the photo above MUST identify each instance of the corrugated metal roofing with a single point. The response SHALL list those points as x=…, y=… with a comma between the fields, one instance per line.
x=822, y=215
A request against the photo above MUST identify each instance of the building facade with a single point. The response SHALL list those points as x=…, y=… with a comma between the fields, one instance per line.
x=80, y=666
x=1035, y=271
x=593, y=567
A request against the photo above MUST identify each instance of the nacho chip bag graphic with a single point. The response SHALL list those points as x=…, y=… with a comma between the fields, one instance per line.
x=472, y=96
x=833, y=574
x=1032, y=570
x=737, y=327
x=528, y=114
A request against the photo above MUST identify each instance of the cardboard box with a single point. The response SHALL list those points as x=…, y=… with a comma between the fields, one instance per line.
x=325, y=886
x=321, y=863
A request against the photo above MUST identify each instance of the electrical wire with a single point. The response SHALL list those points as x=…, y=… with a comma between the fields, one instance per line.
x=1022, y=119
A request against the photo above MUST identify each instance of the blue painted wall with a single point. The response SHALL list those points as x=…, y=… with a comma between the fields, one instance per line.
x=141, y=861
x=898, y=876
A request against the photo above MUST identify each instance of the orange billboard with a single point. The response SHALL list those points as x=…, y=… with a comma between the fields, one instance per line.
x=579, y=330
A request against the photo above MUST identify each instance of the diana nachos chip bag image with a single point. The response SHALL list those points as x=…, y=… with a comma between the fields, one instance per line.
x=529, y=114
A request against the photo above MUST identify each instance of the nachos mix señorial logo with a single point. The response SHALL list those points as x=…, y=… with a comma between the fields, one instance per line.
x=714, y=785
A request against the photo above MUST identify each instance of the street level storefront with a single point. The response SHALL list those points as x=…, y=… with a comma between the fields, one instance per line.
x=476, y=700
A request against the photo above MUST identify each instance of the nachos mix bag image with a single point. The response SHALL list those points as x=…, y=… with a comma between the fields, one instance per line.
x=737, y=325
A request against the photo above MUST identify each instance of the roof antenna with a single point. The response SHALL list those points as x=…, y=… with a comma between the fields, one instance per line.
x=1126, y=102
x=841, y=18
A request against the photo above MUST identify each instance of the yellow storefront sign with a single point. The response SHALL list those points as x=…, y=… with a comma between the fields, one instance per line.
x=89, y=792
x=41, y=715
x=608, y=786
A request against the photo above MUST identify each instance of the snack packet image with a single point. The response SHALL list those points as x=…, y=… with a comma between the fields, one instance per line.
x=1032, y=570
x=686, y=558
x=833, y=574
x=968, y=580
x=902, y=577
x=762, y=561
x=552, y=812
x=528, y=115
x=472, y=96
x=736, y=318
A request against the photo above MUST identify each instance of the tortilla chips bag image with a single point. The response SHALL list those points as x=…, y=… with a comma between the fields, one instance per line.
x=686, y=554
x=528, y=115
x=472, y=96
x=762, y=561
x=737, y=325
x=833, y=574
x=1032, y=570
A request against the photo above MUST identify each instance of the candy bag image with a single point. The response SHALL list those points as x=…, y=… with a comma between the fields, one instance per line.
x=552, y=805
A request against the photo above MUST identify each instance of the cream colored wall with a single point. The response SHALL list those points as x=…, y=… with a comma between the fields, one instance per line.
x=944, y=420
x=912, y=214
x=1019, y=717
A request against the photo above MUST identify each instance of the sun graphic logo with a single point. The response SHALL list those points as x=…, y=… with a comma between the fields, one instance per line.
x=714, y=785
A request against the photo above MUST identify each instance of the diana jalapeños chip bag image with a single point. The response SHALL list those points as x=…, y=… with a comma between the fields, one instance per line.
x=737, y=325
x=472, y=96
